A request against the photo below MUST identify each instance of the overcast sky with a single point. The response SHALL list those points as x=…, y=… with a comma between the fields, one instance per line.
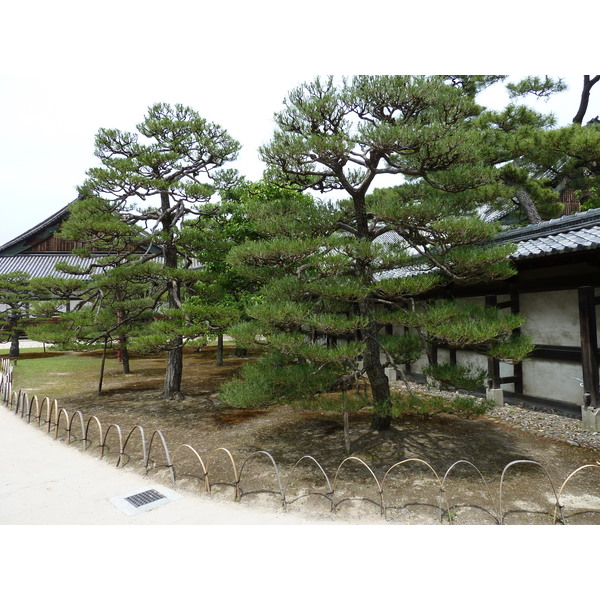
x=71, y=70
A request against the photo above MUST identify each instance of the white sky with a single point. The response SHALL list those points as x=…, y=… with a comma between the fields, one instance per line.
x=70, y=68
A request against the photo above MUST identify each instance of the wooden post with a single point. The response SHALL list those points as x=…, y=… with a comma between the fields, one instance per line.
x=518, y=368
x=102, y=366
x=452, y=356
x=493, y=363
x=589, y=345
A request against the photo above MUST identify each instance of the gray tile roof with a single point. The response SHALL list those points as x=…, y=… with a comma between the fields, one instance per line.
x=43, y=265
x=572, y=233
x=578, y=232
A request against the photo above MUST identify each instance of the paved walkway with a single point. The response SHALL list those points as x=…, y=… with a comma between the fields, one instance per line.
x=46, y=482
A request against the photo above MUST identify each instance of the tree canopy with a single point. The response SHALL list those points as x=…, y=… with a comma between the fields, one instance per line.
x=134, y=204
x=349, y=269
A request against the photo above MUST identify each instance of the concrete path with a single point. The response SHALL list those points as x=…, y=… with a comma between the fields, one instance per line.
x=46, y=482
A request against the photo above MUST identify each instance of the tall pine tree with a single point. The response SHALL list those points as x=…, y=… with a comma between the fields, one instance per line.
x=348, y=269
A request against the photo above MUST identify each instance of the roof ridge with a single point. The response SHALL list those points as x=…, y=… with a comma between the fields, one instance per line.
x=553, y=226
x=37, y=227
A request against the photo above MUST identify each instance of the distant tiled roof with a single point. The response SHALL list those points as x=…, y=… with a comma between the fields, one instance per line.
x=51, y=223
x=572, y=233
x=43, y=265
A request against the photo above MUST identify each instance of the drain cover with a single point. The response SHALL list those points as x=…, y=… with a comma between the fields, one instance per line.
x=144, y=499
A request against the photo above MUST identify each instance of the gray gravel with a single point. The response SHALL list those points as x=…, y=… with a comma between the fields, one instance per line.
x=546, y=424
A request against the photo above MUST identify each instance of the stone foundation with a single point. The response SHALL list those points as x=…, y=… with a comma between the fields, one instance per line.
x=590, y=418
x=495, y=394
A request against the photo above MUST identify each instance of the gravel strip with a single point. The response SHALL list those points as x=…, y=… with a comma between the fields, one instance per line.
x=543, y=423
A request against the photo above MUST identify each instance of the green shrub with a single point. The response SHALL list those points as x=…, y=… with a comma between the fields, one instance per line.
x=450, y=376
x=272, y=380
x=428, y=406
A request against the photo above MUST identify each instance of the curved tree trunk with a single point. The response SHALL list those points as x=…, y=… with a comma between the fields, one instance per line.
x=378, y=380
x=380, y=385
x=172, y=382
x=585, y=97
x=528, y=206
x=101, y=379
x=220, y=350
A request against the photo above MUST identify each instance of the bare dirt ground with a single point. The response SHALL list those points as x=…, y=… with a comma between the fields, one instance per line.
x=410, y=491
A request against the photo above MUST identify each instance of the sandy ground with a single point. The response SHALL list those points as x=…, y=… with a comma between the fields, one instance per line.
x=45, y=482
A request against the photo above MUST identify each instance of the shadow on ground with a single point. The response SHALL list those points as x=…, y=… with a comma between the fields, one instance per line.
x=402, y=468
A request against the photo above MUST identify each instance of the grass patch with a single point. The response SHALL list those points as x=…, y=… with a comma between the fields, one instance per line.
x=60, y=376
x=26, y=351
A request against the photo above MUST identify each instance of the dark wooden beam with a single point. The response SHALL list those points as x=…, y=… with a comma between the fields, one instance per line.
x=493, y=363
x=589, y=345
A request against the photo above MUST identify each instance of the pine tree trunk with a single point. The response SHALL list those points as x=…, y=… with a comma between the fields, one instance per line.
x=125, y=355
x=529, y=208
x=220, y=350
x=346, y=425
x=14, y=344
x=173, y=375
x=380, y=385
x=585, y=97
x=101, y=380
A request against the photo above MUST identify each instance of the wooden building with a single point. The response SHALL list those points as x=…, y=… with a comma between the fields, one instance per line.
x=557, y=287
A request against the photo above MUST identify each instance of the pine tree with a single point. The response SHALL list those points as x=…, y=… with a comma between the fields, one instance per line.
x=171, y=168
x=347, y=270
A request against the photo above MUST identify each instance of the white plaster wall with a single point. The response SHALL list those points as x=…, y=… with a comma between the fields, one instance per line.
x=555, y=380
x=443, y=355
x=552, y=317
x=419, y=365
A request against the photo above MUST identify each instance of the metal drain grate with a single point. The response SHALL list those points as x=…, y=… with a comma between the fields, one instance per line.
x=144, y=498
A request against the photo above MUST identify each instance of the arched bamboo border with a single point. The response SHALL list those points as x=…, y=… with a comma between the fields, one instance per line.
x=560, y=491
x=440, y=486
x=251, y=457
x=87, y=430
x=50, y=406
x=530, y=462
x=83, y=435
x=197, y=455
x=20, y=402
x=487, y=487
x=118, y=429
x=236, y=483
x=57, y=428
x=327, y=495
x=143, y=441
x=34, y=398
x=362, y=499
x=169, y=464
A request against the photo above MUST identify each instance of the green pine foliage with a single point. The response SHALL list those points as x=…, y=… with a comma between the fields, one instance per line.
x=454, y=376
x=331, y=276
x=273, y=379
x=426, y=406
